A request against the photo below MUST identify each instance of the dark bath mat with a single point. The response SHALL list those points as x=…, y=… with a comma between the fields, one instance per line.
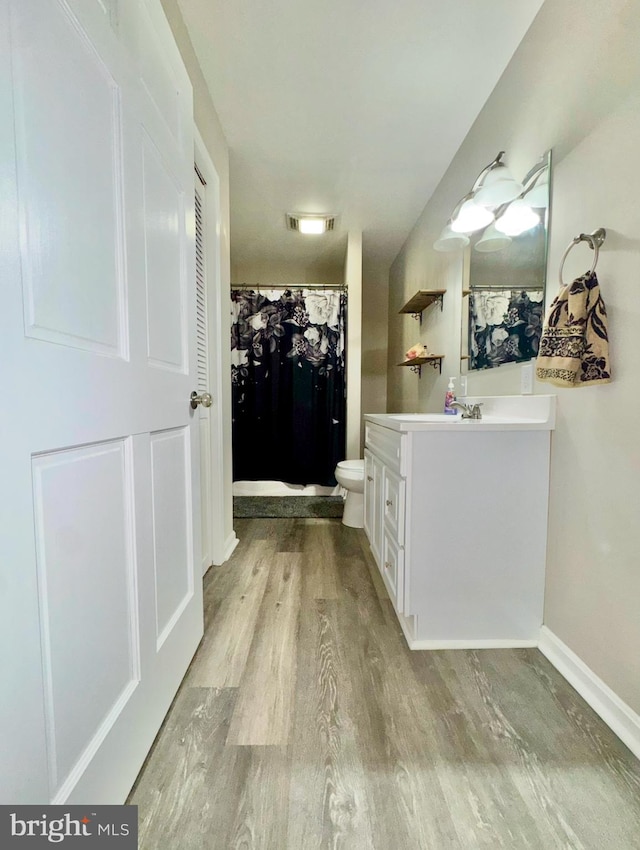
x=287, y=506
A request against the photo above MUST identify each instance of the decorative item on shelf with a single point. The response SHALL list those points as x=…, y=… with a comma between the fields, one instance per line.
x=418, y=350
x=498, y=205
x=416, y=363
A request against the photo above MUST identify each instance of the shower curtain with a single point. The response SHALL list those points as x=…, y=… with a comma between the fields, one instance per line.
x=288, y=384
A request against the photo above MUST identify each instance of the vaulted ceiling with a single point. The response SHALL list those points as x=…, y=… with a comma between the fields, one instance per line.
x=349, y=107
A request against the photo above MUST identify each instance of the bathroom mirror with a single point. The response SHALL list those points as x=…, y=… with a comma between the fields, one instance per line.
x=505, y=276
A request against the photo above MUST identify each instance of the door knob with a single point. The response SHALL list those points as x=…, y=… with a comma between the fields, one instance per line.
x=204, y=399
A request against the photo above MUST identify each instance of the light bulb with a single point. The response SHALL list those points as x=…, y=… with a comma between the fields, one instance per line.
x=517, y=218
x=471, y=217
x=313, y=226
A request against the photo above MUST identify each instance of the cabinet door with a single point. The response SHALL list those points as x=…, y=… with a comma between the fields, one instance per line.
x=392, y=502
x=392, y=569
x=369, y=494
x=373, y=503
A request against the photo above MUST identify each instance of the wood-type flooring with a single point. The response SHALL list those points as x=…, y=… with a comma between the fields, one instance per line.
x=305, y=722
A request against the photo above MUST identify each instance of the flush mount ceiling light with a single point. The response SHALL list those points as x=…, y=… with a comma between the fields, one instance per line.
x=313, y=225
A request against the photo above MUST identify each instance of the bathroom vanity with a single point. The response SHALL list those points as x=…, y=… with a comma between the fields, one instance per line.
x=456, y=517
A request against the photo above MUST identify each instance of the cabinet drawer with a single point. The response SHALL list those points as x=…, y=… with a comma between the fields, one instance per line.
x=386, y=444
x=393, y=488
x=392, y=569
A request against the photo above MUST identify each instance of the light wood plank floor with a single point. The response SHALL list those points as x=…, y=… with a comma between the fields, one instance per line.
x=304, y=722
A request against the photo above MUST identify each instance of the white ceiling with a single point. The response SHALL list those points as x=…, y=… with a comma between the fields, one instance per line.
x=350, y=107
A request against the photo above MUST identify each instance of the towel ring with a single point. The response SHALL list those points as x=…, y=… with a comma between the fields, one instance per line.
x=594, y=240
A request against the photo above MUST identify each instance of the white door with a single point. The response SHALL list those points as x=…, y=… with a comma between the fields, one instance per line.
x=203, y=355
x=100, y=592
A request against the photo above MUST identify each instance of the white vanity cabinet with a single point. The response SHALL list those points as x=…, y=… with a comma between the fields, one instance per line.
x=384, y=501
x=456, y=516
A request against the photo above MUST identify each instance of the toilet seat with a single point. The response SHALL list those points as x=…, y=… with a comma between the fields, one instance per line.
x=351, y=464
x=350, y=475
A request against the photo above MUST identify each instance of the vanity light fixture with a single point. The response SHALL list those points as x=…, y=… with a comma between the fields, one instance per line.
x=498, y=187
x=450, y=241
x=492, y=240
x=494, y=186
x=310, y=225
x=518, y=216
x=537, y=193
x=470, y=216
x=499, y=205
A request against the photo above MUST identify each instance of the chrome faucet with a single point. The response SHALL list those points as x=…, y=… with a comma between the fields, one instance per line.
x=469, y=411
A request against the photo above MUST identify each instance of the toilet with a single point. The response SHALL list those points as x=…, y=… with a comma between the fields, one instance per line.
x=350, y=475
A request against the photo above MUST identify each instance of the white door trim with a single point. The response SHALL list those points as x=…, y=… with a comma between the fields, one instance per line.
x=223, y=536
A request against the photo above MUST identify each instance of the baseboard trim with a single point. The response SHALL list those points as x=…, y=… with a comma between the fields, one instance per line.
x=407, y=624
x=229, y=546
x=618, y=716
x=501, y=643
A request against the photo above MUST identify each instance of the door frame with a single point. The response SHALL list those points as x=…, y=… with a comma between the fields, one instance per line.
x=223, y=537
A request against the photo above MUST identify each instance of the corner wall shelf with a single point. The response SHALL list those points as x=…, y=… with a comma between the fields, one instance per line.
x=421, y=300
x=416, y=363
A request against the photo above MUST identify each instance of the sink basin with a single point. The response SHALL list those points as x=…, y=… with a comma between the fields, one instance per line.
x=499, y=413
x=422, y=417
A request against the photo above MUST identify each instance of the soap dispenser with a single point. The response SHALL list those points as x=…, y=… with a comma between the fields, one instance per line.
x=450, y=397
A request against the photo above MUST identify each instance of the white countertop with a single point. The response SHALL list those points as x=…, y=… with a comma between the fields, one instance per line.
x=499, y=413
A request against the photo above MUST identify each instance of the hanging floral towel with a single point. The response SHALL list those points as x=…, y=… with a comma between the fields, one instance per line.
x=574, y=347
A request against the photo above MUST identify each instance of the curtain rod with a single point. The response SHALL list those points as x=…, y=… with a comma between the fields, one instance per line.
x=507, y=287
x=267, y=286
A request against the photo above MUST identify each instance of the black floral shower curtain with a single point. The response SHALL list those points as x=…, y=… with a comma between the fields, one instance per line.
x=288, y=384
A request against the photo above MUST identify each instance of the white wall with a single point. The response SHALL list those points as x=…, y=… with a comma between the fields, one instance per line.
x=375, y=322
x=208, y=124
x=573, y=86
x=593, y=578
x=262, y=274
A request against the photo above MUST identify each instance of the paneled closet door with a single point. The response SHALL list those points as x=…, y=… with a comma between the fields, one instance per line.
x=99, y=550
